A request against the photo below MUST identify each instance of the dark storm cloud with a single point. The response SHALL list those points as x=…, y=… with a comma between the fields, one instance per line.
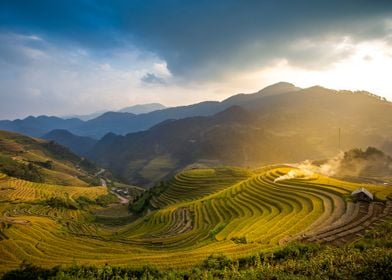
x=202, y=38
x=205, y=39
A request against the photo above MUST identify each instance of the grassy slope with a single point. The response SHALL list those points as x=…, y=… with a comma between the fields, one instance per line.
x=66, y=168
x=232, y=211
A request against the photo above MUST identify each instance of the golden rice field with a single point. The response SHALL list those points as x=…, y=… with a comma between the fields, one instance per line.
x=203, y=211
x=17, y=190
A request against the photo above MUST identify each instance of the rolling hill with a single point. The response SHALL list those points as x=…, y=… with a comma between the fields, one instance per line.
x=43, y=161
x=198, y=212
x=269, y=127
x=77, y=144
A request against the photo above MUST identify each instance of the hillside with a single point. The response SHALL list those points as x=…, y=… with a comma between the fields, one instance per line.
x=77, y=144
x=150, y=156
x=280, y=127
x=43, y=161
x=199, y=212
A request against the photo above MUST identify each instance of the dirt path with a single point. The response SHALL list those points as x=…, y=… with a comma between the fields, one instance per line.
x=99, y=172
x=122, y=199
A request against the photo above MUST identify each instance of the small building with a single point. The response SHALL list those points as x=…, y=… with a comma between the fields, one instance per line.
x=361, y=194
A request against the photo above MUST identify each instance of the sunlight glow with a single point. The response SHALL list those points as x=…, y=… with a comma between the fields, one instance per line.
x=367, y=68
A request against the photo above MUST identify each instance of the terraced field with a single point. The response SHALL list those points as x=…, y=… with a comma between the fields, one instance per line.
x=17, y=190
x=197, y=183
x=42, y=161
x=202, y=211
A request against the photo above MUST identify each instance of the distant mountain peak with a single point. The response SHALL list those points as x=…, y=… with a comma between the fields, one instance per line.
x=282, y=84
x=278, y=88
x=318, y=87
x=134, y=109
x=112, y=116
x=275, y=89
x=142, y=108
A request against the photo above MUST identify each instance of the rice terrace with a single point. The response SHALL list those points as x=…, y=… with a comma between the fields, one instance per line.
x=199, y=212
x=225, y=139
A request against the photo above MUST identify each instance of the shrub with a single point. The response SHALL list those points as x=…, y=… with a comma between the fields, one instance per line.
x=296, y=250
x=143, y=202
x=84, y=201
x=57, y=202
x=249, y=261
x=28, y=271
x=20, y=170
x=216, y=230
x=217, y=262
x=378, y=268
x=106, y=199
x=45, y=164
x=139, y=206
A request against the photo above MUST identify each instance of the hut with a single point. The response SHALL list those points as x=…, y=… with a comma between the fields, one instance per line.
x=362, y=194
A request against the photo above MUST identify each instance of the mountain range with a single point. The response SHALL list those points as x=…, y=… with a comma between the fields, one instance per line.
x=280, y=123
x=96, y=125
x=126, y=122
x=135, y=109
x=142, y=108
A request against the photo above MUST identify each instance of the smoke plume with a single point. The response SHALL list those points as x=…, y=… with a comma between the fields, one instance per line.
x=307, y=169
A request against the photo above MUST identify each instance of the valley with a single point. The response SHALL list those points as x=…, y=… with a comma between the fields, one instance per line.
x=280, y=123
x=195, y=140
x=227, y=182
x=234, y=211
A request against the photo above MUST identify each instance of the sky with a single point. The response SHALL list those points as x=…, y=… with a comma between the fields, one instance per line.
x=69, y=57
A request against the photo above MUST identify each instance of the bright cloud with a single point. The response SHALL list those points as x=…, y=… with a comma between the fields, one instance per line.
x=94, y=55
x=367, y=67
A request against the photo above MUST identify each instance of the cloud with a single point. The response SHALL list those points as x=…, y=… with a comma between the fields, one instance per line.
x=56, y=56
x=151, y=78
x=209, y=39
x=206, y=39
x=160, y=75
x=46, y=79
